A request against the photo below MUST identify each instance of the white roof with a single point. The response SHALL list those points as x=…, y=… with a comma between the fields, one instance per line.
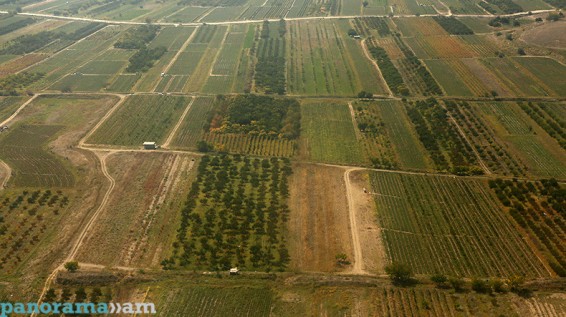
x=234, y=269
x=149, y=143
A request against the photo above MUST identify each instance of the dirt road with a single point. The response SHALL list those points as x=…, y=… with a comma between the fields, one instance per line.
x=358, y=267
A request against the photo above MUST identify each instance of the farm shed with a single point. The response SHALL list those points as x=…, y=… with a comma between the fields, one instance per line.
x=149, y=145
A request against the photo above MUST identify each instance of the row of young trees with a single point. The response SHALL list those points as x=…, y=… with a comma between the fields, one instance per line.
x=538, y=207
x=441, y=139
x=234, y=216
x=270, y=68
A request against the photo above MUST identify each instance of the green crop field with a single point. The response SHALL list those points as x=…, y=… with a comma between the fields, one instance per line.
x=314, y=43
x=140, y=119
x=441, y=224
x=328, y=134
x=8, y=105
x=24, y=148
x=386, y=129
x=535, y=148
x=192, y=128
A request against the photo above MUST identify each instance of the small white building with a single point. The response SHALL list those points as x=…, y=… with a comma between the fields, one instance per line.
x=150, y=145
x=234, y=271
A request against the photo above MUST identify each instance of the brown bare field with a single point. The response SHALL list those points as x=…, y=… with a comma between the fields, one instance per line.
x=138, y=226
x=372, y=247
x=318, y=227
x=389, y=45
x=420, y=27
x=551, y=35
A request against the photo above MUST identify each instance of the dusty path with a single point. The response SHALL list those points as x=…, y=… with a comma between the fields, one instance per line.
x=75, y=248
x=179, y=122
x=10, y=118
x=358, y=267
x=366, y=53
x=174, y=59
x=106, y=116
x=8, y=172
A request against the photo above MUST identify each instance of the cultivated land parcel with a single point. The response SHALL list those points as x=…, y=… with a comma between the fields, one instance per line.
x=311, y=144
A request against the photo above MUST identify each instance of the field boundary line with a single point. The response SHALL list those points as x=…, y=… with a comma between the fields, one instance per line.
x=179, y=122
x=8, y=174
x=366, y=53
x=174, y=59
x=106, y=116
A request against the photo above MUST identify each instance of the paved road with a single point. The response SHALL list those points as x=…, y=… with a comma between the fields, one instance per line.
x=50, y=16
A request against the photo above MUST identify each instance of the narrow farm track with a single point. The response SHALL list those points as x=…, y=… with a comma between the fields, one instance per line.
x=358, y=267
x=10, y=118
x=174, y=59
x=179, y=122
x=8, y=172
x=75, y=248
x=368, y=56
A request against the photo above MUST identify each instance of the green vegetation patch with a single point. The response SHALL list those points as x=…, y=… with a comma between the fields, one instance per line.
x=137, y=38
x=388, y=70
x=538, y=207
x=447, y=148
x=216, y=301
x=234, y=216
x=24, y=149
x=445, y=225
x=453, y=25
x=13, y=85
x=26, y=217
x=328, y=134
x=141, y=119
x=270, y=67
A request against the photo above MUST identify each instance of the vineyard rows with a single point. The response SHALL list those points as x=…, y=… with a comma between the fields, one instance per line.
x=449, y=226
x=491, y=150
x=33, y=166
x=539, y=208
x=261, y=145
x=141, y=118
x=234, y=215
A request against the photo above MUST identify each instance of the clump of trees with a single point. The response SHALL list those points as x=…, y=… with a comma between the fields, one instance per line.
x=441, y=139
x=30, y=42
x=270, y=68
x=400, y=274
x=453, y=25
x=234, y=216
x=143, y=59
x=538, y=207
x=390, y=72
x=137, y=38
x=277, y=117
x=12, y=85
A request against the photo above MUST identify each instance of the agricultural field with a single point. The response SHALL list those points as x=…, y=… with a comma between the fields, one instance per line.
x=322, y=148
x=538, y=151
x=250, y=124
x=328, y=134
x=487, y=144
x=139, y=119
x=317, y=229
x=26, y=219
x=234, y=216
x=316, y=42
x=447, y=226
x=538, y=208
x=150, y=189
x=447, y=146
x=387, y=137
